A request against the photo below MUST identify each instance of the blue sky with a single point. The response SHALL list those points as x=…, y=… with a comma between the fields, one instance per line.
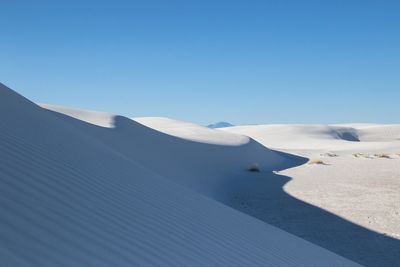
x=206, y=61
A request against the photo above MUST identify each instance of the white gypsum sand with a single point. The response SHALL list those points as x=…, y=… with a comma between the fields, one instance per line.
x=359, y=181
x=339, y=201
x=80, y=194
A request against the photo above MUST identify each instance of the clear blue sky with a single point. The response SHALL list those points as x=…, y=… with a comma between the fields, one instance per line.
x=205, y=61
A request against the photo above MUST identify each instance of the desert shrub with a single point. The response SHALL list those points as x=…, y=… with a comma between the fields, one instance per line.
x=254, y=168
x=330, y=154
x=316, y=161
x=382, y=156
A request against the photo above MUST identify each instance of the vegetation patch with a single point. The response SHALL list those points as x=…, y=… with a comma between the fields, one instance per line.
x=317, y=161
x=330, y=154
x=254, y=168
x=382, y=156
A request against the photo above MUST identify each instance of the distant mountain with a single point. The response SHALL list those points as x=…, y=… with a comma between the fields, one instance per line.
x=221, y=124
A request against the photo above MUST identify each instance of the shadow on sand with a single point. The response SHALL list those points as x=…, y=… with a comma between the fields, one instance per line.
x=261, y=195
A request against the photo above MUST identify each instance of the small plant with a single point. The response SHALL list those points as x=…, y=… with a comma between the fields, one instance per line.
x=330, y=154
x=317, y=161
x=254, y=168
x=382, y=156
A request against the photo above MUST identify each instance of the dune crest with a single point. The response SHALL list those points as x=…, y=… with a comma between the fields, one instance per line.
x=70, y=198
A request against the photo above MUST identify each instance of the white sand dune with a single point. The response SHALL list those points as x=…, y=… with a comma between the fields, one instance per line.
x=194, y=156
x=359, y=181
x=75, y=193
x=378, y=133
x=102, y=119
x=192, y=132
x=314, y=139
x=350, y=205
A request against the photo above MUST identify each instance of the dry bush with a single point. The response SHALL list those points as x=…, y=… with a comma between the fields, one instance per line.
x=316, y=161
x=330, y=154
x=254, y=168
x=382, y=156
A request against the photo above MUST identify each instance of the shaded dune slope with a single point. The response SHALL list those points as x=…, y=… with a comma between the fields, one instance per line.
x=68, y=198
x=263, y=194
x=204, y=167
